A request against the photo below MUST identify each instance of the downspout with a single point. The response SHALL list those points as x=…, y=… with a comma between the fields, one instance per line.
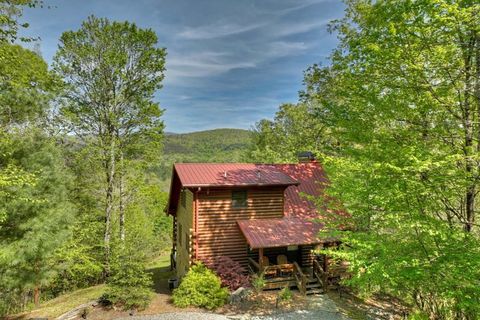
x=195, y=196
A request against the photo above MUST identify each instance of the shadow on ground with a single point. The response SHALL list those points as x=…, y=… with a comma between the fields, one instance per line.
x=160, y=276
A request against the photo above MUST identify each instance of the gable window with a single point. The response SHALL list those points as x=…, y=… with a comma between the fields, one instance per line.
x=239, y=198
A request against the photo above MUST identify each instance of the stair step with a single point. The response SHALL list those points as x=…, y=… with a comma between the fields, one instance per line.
x=314, y=291
x=315, y=285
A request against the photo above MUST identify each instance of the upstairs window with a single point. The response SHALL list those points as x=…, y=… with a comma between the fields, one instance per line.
x=239, y=198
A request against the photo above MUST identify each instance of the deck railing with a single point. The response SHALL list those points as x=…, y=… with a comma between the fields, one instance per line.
x=320, y=274
x=300, y=278
x=253, y=265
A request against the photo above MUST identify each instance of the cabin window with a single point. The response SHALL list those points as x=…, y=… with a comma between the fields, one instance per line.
x=239, y=198
x=183, y=198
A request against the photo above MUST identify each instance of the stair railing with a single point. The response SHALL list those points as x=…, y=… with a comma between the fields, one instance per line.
x=300, y=278
x=254, y=265
x=320, y=274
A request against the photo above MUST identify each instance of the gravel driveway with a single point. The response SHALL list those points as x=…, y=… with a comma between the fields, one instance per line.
x=320, y=308
x=298, y=315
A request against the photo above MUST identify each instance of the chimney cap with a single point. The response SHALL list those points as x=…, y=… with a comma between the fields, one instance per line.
x=305, y=156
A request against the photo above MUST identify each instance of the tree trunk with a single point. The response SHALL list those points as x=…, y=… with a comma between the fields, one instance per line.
x=110, y=173
x=122, y=200
x=36, y=296
x=468, y=142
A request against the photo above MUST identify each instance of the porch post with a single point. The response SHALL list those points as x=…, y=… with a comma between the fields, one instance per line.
x=260, y=260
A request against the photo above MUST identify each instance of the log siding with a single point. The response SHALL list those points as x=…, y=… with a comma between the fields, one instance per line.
x=184, y=219
x=218, y=232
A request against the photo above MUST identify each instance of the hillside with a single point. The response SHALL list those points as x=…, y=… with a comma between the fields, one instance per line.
x=218, y=145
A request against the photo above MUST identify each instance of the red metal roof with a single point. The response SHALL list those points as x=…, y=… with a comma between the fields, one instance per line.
x=312, y=180
x=280, y=232
x=301, y=179
x=231, y=174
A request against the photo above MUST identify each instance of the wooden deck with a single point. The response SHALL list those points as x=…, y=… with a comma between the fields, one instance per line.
x=309, y=281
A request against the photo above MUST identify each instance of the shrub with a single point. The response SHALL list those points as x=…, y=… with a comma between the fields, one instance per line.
x=285, y=294
x=258, y=282
x=231, y=273
x=200, y=288
x=129, y=286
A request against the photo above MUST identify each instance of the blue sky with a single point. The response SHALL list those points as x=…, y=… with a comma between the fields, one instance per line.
x=230, y=63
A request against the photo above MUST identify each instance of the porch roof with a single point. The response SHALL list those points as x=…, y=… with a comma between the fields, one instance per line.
x=280, y=232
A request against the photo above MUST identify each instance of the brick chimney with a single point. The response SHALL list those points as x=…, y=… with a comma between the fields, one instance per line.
x=306, y=156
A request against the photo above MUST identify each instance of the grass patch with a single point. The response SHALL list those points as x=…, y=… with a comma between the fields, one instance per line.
x=160, y=262
x=160, y=270
x=64, y=303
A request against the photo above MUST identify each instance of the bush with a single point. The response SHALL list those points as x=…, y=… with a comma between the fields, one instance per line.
x=285, y=294
x=200, y=288
x=130, y=286
x=258, y=282
x=231, y=273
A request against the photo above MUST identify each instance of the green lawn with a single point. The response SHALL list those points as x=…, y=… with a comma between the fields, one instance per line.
x=64, y=303
x=159, y=268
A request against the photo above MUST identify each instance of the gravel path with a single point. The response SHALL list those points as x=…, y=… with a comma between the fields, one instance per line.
x=180, y=316
x=320, y=308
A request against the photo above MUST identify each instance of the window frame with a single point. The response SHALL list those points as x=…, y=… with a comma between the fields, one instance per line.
x=235, y=199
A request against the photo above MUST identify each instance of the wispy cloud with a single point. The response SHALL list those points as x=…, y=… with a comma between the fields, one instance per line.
x=289, y=29
x=216, y=30
x=229, y=63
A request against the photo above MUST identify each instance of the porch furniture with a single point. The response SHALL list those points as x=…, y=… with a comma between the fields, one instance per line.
x=269, y=271
x=286, y=269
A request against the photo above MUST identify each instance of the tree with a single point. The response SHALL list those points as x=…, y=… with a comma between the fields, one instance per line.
x=10, y=12
x=26, y=86
x=112, y=71
x=404, y=106
x=293, y=130
x=38, y=219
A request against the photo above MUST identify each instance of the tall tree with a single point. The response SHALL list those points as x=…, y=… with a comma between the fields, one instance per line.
x=112, y=71
x=403, y=105
x=293, y=130
x=39, y=215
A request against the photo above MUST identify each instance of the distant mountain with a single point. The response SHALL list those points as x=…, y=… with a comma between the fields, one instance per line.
x=218, y=145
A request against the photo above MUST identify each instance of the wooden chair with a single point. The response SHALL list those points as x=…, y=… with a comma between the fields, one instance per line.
x=286, y=269
x=282, y=259
x=269, y=271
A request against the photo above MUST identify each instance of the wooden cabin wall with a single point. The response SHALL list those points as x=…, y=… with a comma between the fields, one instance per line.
x=218, y=232
x=307, y=255
x=184, y=226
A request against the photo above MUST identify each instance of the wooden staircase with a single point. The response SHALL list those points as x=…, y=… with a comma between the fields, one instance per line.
x=313, y=286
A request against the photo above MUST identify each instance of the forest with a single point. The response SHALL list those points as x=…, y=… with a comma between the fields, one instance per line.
x=394, y=118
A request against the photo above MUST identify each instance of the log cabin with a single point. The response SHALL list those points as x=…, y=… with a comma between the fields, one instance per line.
x=252, y=213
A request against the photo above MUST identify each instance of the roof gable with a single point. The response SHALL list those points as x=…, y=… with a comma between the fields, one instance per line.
x=300, y=178
x=231, y=174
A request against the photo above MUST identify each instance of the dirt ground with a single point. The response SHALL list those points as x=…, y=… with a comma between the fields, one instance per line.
x=260, y=305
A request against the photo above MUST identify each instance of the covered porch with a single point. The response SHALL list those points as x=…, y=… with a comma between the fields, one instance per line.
x=282, y=250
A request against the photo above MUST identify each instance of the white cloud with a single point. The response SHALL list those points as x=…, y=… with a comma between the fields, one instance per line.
x=203, y=65
x=216, y=30
x=301, y=27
